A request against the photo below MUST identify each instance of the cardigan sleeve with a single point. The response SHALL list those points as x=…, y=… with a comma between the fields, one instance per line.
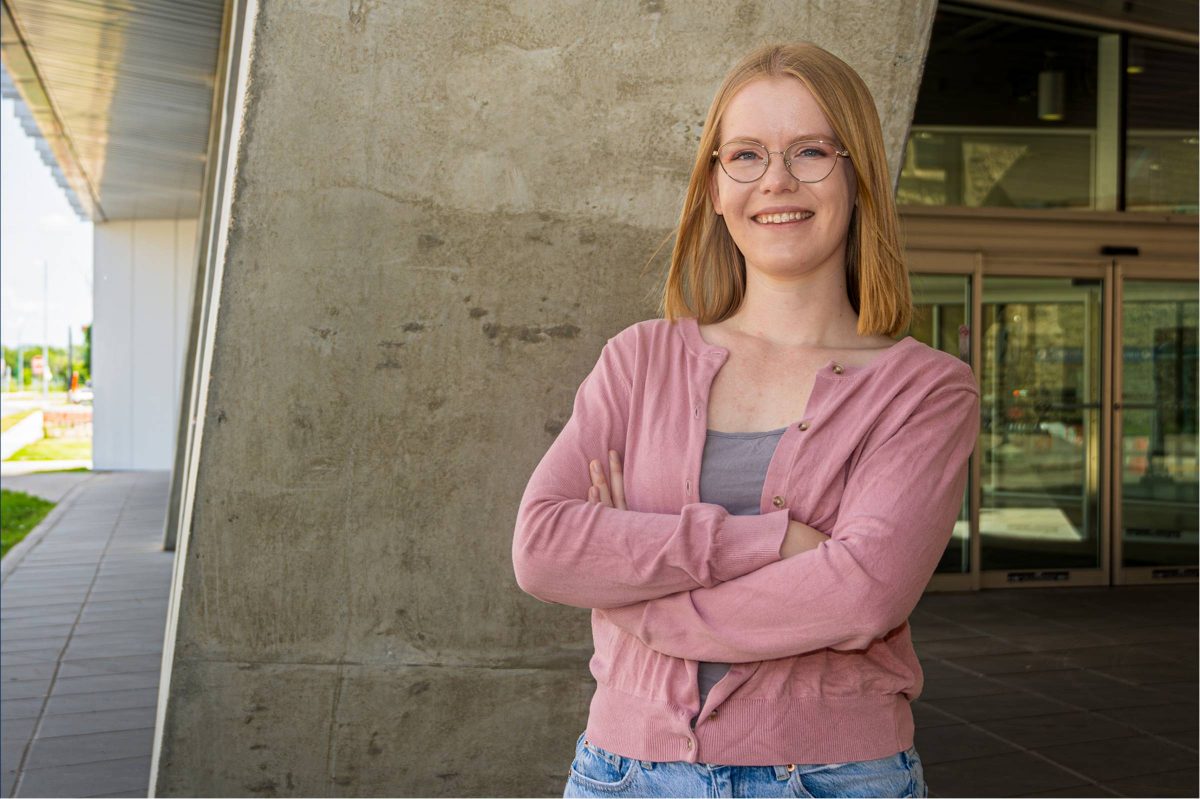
x=894, y=521
x=569, y=551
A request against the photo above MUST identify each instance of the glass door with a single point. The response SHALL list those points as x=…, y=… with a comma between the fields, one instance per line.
x=1155, y=458
x=1042, y=380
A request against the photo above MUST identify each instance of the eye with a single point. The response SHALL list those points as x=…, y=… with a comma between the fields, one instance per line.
x=811, y=151
x=742, y=153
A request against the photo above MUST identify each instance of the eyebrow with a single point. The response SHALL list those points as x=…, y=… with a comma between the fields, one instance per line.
x=801, y=137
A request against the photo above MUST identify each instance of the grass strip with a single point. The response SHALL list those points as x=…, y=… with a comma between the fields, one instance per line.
x=19, y=513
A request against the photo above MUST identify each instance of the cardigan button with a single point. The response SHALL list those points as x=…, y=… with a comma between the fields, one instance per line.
x=802, y=426
x=712, y=715
x=777, y=502
x=837, y=368
x=689, y=743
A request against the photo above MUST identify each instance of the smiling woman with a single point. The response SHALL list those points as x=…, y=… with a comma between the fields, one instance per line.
x=782, y=474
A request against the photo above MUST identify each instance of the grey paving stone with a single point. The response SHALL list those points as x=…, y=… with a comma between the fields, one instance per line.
x=40, y=621
x=953, y=687
x=17, y=729
x=1058, y=640
x=964, y=647
x=26, y=657
x=120, y=665
x=88, y=779
x=1150, y=673
x=69, y=750
x=11, y=751
x=1000, y=706
x=1172, y=783
x=957, y=742
x=32, y=644
x=1085, y=790
x=90, y=615
x=13, y=613
x=1185, y=738
x=25, y=689
x=1034, y=732
x=20, y=708
x=1085, y=689
x=1014, y=663
x=9, y=780
x=133, y=718
x=1007, y=775
x=925, y=716
x=101, y=648
x=28, y=671
x=1111, y=759
x=1154, y=718
x=106, y=682
x=60, y=631
x=1117, y=655
x=109, y=700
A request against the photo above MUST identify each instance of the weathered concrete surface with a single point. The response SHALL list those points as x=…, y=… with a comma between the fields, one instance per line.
x=435, y=230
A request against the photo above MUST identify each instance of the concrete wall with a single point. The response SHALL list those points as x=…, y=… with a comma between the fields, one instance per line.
x=433, y=234
x=142, y=292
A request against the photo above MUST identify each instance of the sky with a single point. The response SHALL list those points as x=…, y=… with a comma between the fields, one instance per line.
x=38, y=225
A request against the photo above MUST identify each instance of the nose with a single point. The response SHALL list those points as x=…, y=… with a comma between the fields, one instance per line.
x=777, y=177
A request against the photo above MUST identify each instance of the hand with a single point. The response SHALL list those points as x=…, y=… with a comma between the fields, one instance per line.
x=600, y=490
x=800, y=538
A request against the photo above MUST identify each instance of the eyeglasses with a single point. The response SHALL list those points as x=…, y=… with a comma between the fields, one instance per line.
x=808, y=161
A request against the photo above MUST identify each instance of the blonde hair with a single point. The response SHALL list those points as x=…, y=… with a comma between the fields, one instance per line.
x=707, y=274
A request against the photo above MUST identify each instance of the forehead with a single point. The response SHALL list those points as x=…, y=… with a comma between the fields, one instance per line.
x=774, y=109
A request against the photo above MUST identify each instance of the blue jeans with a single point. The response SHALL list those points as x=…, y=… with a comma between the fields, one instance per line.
x=598, y=772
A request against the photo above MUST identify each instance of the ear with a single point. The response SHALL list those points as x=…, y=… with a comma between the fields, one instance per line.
x=714, y=194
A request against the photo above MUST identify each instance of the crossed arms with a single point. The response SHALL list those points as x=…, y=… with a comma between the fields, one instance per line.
x=707, y=585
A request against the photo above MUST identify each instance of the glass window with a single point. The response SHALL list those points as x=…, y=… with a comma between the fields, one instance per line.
x=1161, y=122
x=1006, y=115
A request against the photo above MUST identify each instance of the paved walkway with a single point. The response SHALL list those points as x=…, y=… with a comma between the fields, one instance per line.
x=1046, y=692
x=83, y=607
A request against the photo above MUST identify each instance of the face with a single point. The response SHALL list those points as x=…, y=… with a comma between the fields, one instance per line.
x=777, y=112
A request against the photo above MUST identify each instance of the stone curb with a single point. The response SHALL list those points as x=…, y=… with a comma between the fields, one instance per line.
x=35, y=536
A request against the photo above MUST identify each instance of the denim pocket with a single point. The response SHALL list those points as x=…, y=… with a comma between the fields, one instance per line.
x=885, y=776
x=600, y=769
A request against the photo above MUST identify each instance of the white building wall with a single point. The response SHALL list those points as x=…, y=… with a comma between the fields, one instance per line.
x=144, y=272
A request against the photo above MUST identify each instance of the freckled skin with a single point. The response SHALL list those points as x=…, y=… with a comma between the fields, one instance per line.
x=775, y=112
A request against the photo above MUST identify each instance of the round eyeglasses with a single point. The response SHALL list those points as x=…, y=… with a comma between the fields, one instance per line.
x=808, y=161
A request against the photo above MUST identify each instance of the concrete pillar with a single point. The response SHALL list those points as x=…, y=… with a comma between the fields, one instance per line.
x=433, y=233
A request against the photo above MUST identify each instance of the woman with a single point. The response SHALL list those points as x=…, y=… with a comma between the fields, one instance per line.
x=782, y=475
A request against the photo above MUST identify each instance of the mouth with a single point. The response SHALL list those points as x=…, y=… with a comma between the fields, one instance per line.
x=783, y=218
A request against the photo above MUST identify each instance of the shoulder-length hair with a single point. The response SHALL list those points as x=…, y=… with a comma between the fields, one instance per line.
x=707, y=273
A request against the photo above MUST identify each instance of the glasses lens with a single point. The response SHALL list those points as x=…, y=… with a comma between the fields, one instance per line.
x=743, y=161
x=811, y=160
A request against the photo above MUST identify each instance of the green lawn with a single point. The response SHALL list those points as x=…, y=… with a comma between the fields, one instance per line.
x=19, y=513
x=10, y=420
x=55, y=449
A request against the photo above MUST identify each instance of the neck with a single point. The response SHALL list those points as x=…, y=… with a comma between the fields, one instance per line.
x=808, y=310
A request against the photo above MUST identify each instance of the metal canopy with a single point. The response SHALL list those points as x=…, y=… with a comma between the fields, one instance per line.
x=120, y=93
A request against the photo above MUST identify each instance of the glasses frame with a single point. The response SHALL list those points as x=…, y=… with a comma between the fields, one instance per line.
x=838, y=152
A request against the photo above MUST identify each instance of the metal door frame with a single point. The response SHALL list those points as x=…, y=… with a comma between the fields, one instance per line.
x=1135, y=269
x=1111, y=272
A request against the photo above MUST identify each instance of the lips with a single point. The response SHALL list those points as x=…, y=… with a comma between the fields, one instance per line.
x=782, y=217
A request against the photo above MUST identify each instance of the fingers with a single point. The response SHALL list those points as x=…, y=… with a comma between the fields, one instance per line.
x=599, y=483
x=618, y=481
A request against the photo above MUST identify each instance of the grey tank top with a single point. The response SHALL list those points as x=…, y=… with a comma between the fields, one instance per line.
x=731, y=475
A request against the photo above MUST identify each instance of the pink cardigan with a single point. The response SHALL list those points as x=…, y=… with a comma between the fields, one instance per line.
x=824, y=668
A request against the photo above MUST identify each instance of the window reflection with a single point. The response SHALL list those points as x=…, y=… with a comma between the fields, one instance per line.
x=1158, y=423
x=941, y=319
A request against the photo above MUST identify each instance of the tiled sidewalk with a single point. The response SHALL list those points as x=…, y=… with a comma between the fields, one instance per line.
x=1048, y=692
x=81, y=624
x=1059, y=692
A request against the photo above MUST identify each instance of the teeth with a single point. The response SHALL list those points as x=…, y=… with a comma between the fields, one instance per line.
x=775, y=219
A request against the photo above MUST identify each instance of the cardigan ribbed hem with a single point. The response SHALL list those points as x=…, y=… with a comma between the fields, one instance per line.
x=806, y=729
